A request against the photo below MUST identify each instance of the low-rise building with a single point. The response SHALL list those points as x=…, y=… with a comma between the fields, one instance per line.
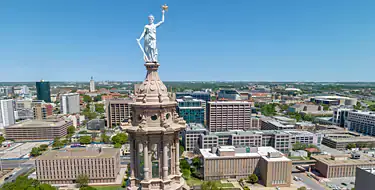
x=192, y=134
x=340, y=141
x=334, y=100
x=63, y=167
x=271, y=124
x=37, y=130
x=337, y=166
x=361, y=122
x=228, y=162
x=340, y=115
x=95, y=124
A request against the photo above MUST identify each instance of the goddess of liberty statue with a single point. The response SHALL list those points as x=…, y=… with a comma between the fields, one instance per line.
x=150, y=51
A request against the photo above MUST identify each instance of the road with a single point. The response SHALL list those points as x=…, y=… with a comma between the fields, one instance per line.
x=11, y=164
x=310, y=182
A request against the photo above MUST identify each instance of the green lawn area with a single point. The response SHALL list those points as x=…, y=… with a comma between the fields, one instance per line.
x=226, y=185
x=108, y=187
x=194, y=181
x=369, y=102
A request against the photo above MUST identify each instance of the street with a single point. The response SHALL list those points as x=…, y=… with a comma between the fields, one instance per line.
x=11, y=164
x=309, y=182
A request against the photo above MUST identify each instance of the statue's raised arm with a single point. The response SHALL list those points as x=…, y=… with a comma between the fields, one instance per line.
x=149, y=50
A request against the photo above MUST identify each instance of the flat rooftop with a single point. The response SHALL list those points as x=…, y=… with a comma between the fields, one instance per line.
x=254, y=152
x=327, y=159
x=39, y=123
x=79, y=153
x=229, y=102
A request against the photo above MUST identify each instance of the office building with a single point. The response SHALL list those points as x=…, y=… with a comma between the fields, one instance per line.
x=361, y=122
x=70, y=103
x=340, y=141
x=95, y=124
x=191, y=136
x=92, y=85
x=33, y=130
x=365, y=178
x=340, y=115
x=336, y=166
x=63, y=167
x=6, y=113
x=118, y=110
x=231, y=115
x=229, y=94
x=42, y=111
x=200, y=95
x=43, y=91
x=272, y=124
x=192, y=110
x=229, y=162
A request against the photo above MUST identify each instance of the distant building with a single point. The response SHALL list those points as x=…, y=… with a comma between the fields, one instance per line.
x=63, y=167
x=6, y=113
x=228, y=94
x=230, y=115
x=361, y=122
x=42, y=111
x=340, y=115
x=118, y=110
x=272, y=124
x=334, y=100
x=70, y=103
x=92, y=85
x=228, y=162
x=340, y=141
x=365, y=178
x=7, y=91
x=337, y=166
x=206, y=96
x=95, y=124
x=37, y=130
x=192, y=110
x=43, y=91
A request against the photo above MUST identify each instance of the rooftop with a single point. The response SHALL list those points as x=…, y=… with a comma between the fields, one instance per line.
x=39, y=123
x=80, y=153
x=327, y=159
x=229, y=102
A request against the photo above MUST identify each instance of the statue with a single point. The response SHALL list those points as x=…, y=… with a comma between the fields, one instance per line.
x=150, y=51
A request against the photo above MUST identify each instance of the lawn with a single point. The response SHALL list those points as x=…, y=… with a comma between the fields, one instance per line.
x=369, y=102
x=194, y=181
x=226, y=185
x=108, y=187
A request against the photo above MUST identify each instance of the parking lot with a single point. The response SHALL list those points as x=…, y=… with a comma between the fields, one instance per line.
x=19, y=150
x=343, y=183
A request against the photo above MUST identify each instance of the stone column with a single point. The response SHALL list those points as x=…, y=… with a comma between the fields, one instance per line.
x=173, y=159
x=137, y=159
x=150, y=158
x=145, y=160
x=132, y=157
x=165, y=159
x=177, y=153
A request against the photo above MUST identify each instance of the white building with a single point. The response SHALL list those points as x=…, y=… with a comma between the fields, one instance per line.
x=361, y=122
x=340, y=115
x=25, y=90
x=6, y=113
x=70, y=103
x=92, y=85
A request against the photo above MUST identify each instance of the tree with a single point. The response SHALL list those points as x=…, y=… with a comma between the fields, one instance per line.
x=117, y=145
x=98, y=98
x=71, y=130
x=82, y=180
x=196, y=162
x=43, y=147
x=120, y=138
x=87, y=188
x=350, y=146
x=85, y=139
x=186, y=173
x=23, y=183
x=87, y=98
x=57, y=143
x=299, y=146
x=2, y=139
x=268, y=109
x=83, y=132
x=209, y=185
x=99, y=108
x=184, y=164
x=182, y=149
x=35, y=152
x=302, y=188
x=325, y=107
x=246, y=188
x=253, y=178
x=104, y=138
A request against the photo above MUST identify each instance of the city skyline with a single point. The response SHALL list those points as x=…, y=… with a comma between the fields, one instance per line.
x=245, y=41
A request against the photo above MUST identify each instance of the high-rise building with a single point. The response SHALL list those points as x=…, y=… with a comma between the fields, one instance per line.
x=361, y=122
x=192, y=110
x=340, y=115
x=118, y=110
x=6, y=113
x=231, y=115
x=70, y=103
x=92, y=85
x=42, y=111
x=200, y=95
x=43, y=91
x=25, y=90
x=228, y=94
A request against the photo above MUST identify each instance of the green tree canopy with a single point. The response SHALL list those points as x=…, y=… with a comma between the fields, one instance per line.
x=302, y=188
x=253, y=178
x=43, y=147
x=23, y=183
x=35, y=152
x=57, y=143
x=196, y=162
x=268, y=109
x=104, y=138
x=186, y=173
x=299, y=146
x=350, y=146
x=87, y=98
x=117, y=145
x=2, y=139
x=120, y=138
x=210, y=185
x=85, y=139
x=71, y=130
x=99, y=108
x=184, y=164
x=98, y=98
x=82, y=180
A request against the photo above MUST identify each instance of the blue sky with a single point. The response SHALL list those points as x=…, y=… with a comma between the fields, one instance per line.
x=252, y=40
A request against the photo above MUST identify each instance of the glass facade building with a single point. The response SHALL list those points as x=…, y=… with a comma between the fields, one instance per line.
x=206, y=96
x=43, y=91
x=192, y=110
